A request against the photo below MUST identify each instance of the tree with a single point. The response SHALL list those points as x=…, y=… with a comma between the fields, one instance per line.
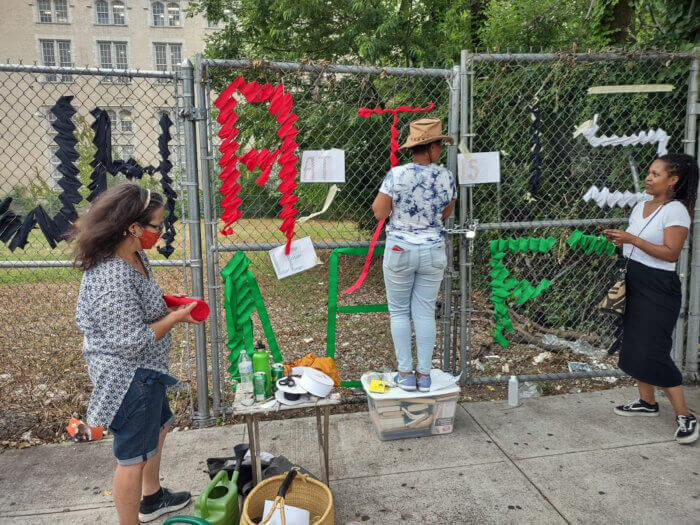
x=543, y=24
x=399, y=33
x=666, y=23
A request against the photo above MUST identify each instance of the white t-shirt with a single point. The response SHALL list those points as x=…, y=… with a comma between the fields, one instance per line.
x=673, y=213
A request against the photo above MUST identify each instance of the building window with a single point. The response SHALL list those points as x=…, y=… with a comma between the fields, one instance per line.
x=56, y=53
x=167, y=56
x=127, y=151
x=110, y=12
x=126, y=124
x=54, y=162
x=113, y=55
x=173, y=14
x=112, y=119
x=118, y=13
x=120, y=120
x=102, y=10
x=61, y=10
x=159, y=14
x=45, y=11
x=53, y=11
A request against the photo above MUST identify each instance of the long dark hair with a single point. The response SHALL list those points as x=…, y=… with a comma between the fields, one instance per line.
x=685, y=167
x=98, y=233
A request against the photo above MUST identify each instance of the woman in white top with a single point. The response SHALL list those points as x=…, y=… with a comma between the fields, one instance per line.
x=653, y=241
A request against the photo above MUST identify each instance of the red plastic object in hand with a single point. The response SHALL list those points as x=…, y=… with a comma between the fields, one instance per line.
x=198, y=313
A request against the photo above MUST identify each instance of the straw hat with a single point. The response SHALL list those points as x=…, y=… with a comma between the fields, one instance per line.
x=424, y=131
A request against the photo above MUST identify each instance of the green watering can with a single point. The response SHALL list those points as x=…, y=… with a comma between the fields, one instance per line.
x=218, y=504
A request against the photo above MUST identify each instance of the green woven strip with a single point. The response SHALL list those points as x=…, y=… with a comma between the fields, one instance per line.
x=332, y=301
x=597, y=244
x=359, y=251
x=264, y=318
x=351, y=384
x=363, y=308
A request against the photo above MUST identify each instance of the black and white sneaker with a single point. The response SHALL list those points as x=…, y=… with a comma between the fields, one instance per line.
x=162, y=502
x=638, y=408
x=687, y=431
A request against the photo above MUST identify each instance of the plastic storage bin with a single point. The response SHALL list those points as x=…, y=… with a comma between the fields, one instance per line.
x=399, y=415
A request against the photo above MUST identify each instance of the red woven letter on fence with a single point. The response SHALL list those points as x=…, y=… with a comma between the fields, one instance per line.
x=281, y=109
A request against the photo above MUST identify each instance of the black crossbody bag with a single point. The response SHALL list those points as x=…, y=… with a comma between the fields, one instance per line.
x=615, y=300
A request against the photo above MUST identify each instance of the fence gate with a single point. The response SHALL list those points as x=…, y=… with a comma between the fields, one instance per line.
x=326, y=99
x=528, y=107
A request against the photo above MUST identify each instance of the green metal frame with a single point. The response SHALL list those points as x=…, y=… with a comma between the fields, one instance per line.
x=334, y=309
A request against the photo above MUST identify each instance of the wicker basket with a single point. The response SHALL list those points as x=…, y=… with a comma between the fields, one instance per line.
x=304, y=493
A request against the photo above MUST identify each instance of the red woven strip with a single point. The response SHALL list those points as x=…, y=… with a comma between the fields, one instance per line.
x=393, y=161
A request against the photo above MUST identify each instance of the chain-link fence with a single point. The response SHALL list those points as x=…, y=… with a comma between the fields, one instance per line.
x=527, y=107
x=326, y=99
x=532, y=109
x=44, y=379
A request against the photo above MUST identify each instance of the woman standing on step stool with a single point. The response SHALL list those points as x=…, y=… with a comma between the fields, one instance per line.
x=652, y=243
x=126, y=327
x=418, y=195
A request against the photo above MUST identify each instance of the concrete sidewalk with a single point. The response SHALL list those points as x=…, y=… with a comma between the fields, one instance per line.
x=555, y=459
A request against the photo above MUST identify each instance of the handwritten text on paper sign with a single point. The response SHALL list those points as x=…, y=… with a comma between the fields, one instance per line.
x=479, y=168
x=302, y=256
x=323, y=165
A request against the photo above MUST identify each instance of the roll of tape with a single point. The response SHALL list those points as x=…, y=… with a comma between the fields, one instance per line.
x=316, y=382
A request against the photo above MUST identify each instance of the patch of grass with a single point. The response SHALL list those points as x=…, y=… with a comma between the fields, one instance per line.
x=245, y=231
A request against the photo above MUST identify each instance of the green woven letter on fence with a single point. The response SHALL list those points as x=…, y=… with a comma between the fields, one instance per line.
x=503, y=289
x=333, y=309
x=241, y=297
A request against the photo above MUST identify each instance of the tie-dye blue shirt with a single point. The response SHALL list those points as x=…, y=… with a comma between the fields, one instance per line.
x=419, y=194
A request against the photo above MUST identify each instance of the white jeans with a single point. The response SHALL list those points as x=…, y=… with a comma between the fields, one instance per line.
x=412, y=276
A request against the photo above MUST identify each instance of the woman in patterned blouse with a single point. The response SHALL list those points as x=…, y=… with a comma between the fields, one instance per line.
x=126, y=327
x=417, y=196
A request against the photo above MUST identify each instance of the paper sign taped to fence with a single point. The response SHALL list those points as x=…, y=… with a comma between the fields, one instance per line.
x=326, y=165
x=479, y=168
x=302, y=256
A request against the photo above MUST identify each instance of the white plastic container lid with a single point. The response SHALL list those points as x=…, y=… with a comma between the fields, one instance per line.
x=442, y=384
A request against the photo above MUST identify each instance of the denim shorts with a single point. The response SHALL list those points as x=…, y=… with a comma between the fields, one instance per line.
x=141, y=417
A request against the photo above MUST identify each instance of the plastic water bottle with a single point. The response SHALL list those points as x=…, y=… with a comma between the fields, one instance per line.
x=513, y=391
x=245, y=369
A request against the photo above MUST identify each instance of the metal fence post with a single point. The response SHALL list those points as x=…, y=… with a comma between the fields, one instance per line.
x=201, y=416
x=453, y=131
x=209, y=233
x=465, y=299
x=692, y=147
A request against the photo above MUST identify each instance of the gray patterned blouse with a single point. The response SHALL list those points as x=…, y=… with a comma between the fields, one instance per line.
x=116, y=304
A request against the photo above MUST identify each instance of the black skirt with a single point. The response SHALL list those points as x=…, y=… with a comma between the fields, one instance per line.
x=653, y=305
